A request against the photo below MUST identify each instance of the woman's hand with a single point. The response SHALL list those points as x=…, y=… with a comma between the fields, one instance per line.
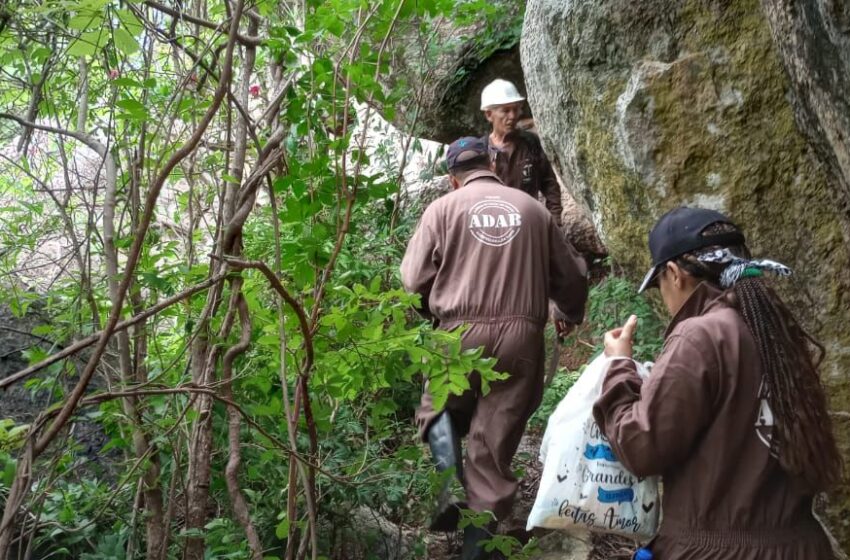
x=618, y=343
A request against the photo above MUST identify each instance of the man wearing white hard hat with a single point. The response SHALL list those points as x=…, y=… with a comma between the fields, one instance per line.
x=517, y=155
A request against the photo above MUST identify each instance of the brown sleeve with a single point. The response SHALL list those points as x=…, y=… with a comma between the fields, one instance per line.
x=651, y=425
x=421, y=262
x=567, y=276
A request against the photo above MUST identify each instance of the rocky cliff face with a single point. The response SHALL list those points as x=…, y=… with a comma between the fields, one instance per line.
x=813, y=40
x=644, y=106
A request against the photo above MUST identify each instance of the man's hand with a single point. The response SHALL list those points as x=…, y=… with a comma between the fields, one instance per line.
x=618, y=342
x=563, y=328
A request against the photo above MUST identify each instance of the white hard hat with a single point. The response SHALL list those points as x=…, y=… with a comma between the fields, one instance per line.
x=499, y=92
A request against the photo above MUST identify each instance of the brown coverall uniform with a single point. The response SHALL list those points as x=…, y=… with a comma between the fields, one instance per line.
x=698, y=421
x=491, y=257
x=524, y=166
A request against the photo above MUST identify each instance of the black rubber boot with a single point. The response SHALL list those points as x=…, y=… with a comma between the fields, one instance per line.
x=472, y=537
x=445, y=450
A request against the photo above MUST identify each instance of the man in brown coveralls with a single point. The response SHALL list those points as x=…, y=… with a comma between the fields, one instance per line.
x=490, y=257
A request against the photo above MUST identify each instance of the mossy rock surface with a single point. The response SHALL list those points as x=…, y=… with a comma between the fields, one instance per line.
x=644, y=106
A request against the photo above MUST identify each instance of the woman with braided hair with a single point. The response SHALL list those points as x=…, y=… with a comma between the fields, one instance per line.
x=733, y=415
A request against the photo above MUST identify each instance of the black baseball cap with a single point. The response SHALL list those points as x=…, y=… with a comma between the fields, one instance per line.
x=463, y=150
x=679, y=231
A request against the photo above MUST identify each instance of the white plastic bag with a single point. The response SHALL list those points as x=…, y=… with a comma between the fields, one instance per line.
x=583, y=486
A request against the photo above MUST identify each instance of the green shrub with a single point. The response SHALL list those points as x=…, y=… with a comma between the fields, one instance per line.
x=610, y=303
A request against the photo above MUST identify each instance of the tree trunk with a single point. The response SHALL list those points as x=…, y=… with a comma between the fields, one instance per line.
x=204, y=358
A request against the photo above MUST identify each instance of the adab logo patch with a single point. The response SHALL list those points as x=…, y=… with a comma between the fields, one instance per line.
x=494, y=222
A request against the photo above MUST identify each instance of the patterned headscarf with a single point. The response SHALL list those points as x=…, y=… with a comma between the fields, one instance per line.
x=738, y=267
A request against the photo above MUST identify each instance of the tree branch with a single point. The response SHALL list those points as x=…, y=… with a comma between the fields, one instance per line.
x=248, y=41
x=287, y=297
x=138, y=239
x=84, y=138
x=123, y=325
x=231, y=471
x=195, y=389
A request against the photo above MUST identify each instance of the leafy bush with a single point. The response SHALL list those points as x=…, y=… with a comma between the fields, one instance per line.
x=552, y=395
x=610, y=303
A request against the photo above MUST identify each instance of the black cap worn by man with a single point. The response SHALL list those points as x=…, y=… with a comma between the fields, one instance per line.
x=465, y=150
x=680, y=231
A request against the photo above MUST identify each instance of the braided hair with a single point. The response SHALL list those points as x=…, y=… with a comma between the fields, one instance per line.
x=803, y=439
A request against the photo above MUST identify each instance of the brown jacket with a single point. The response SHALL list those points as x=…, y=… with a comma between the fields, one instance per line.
x=487, y=253
x=699, y=422
x=526, y=167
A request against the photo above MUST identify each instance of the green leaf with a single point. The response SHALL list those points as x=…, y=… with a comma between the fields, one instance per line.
x=190, y=533
x=304, y=273
x=130, y=105
x=271, y=408
x=125, y=42
x=129, y=20
x=154, y=280
x=282, y=529
x=86, y=45
x=299, y=187
x=84, y=22
x=9, y=466
x=134, y=109
x=92, y=5
x=126, y=82
x=43, y=330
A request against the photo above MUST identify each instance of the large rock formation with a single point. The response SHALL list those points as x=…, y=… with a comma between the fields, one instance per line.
x=474, y=50
x=813, y=38
x=643, y=106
